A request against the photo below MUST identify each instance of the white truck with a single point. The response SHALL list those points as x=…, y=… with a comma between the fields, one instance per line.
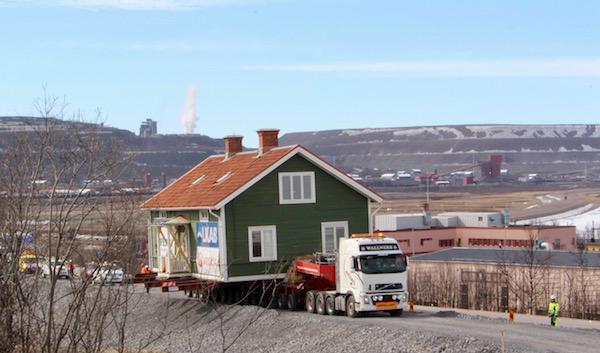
x=368, y=273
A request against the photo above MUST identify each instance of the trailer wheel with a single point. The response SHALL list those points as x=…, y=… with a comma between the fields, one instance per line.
x=351, y=307
x=330, y=305
x=321, y=303
x=229, y=296
x=222, y=298
x=292, y=302
x=310, y=301
x=282, y=301
x=254, y=298
x=237, y=296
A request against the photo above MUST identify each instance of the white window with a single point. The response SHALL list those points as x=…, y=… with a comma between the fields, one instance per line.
x=262, y=243
x=331, y=232
x=298, y=187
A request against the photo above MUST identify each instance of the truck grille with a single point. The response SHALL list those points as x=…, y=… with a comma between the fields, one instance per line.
x=388, y=286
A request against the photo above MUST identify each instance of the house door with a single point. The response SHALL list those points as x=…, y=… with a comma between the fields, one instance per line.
x=173, y=249
x=163, y=249
x=331, y=232
x=180, y=250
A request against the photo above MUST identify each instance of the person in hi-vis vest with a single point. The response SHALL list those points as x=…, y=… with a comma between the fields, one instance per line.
x=553, y=309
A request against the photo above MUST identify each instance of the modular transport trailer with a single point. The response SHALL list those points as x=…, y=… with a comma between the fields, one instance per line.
x=368, y=273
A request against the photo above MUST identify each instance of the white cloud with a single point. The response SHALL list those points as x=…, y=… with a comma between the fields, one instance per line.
x=451, y=68
x=160, y=5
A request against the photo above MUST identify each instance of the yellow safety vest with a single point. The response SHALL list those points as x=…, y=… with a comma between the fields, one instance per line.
x=553, y=308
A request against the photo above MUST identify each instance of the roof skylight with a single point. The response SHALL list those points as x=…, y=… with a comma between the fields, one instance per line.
x=225, y=176
x=199, y=179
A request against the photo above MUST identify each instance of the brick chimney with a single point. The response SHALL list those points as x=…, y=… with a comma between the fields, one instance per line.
x=233, y=145
x=267, y=139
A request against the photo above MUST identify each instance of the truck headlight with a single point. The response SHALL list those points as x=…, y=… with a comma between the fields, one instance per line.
x=395, y=297
x=404, y=297
x=365, y=299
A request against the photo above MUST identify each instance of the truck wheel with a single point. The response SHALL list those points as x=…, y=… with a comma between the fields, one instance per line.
x=351, y=307
x=292, y=302
x=282, y=301
x=396, y=312
x=321, y=303
x=330, y=305
x=310, y=301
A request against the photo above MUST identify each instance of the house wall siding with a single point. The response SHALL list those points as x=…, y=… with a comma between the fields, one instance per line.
x=298, y=225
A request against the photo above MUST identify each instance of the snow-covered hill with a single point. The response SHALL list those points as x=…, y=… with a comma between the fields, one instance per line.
x=526, y=148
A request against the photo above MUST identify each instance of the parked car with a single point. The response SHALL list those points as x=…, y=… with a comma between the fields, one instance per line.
x=58, y=266
x=28, y=263
x=107, y=274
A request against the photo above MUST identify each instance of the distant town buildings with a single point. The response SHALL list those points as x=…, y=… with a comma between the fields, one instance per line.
x=421, y=233
x=148, y=128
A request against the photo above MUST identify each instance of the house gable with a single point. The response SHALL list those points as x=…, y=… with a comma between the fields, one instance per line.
x=298, y=225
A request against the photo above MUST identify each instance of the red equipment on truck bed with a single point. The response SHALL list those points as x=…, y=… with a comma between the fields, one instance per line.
x=325, y=271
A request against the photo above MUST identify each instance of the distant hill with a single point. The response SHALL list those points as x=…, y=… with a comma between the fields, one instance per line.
x=551, y=149
x=170, y=154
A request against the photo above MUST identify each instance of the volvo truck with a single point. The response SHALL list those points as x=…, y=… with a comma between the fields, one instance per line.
x=366, y=274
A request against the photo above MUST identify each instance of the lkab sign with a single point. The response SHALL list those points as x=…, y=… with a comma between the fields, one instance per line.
x=207, y=234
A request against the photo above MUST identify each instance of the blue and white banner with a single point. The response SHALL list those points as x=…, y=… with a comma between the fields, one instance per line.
x=207, y=254
x=207, y=234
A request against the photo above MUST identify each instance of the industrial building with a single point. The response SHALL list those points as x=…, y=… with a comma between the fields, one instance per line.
x=148, y=128
x=421, y=233
x=503, y=279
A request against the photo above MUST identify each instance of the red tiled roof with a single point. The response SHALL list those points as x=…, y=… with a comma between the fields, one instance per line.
x=209, y=191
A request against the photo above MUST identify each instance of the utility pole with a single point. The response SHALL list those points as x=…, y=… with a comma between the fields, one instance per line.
x=427, y=192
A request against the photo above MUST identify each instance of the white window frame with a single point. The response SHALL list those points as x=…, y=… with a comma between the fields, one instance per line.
x=335, y=224
x=312, y=199
x=263, y=258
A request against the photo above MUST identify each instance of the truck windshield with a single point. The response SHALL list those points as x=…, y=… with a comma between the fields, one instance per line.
x=382, y=264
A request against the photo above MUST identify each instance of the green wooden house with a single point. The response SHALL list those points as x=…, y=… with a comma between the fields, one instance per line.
x=243, y=215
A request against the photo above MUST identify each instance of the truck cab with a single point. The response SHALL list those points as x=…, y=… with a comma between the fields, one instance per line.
x=371, y=275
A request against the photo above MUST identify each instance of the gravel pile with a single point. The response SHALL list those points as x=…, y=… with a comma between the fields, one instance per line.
x=165, y=323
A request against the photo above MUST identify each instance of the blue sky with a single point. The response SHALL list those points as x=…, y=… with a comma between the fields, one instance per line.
x=305, y=65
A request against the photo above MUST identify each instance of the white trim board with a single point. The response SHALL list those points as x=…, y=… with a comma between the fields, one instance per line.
x=256, y=277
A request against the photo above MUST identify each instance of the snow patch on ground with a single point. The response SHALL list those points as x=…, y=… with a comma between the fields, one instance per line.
x=582, y=218
x=363, y=131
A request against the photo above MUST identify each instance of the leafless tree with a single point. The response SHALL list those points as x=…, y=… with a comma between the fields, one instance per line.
x=526, y=274
x=46, y=173
x=50, y=212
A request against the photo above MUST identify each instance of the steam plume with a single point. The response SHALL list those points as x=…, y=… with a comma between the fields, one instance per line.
x=188, y=117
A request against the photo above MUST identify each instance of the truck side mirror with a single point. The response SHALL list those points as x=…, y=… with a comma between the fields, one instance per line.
x=405, y=258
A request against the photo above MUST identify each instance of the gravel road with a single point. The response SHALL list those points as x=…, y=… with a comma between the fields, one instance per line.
x=173, y=323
